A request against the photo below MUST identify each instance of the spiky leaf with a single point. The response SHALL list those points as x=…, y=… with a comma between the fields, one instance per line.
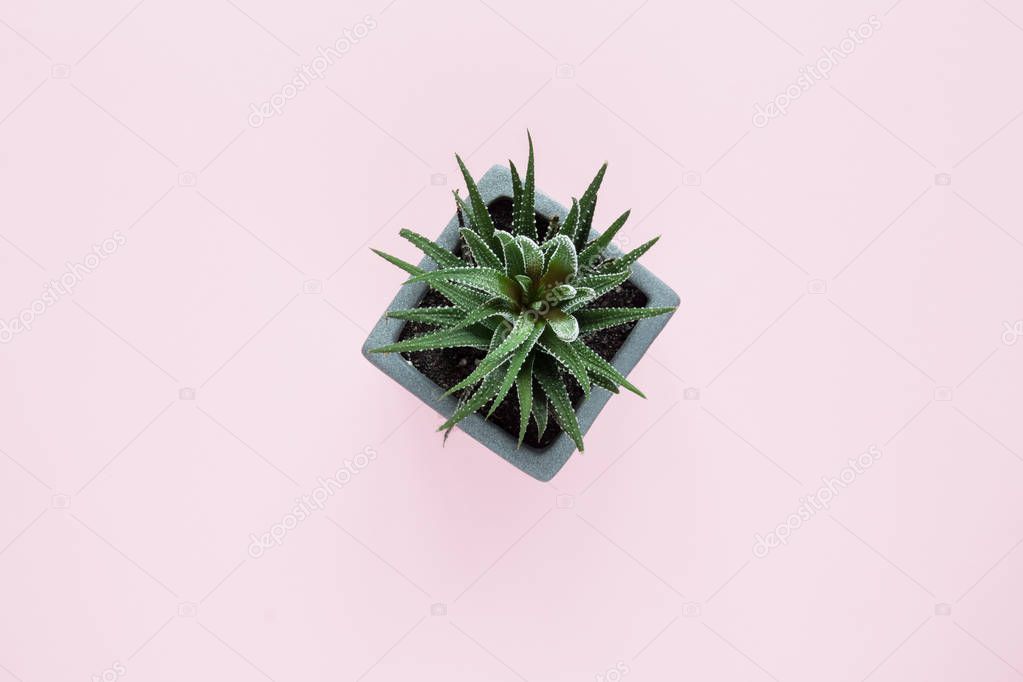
x=540, y=412
x=562, y=263
x=443, y=338
x=524, y=390
x=556, y=392
x=482, y=221
x=514, y=265
x=441, y=256
x=587, y=205
x=598, y=365
x=566, y=355
x=532, y=257
x=442, y=316
x=595, y=319
x=524, y=218
x=481, y=251
x=464, y=299
x=570, y=225
x=515, y=364
x=487, y=280
x=625, y=262
x=480, y=398
x=596, y=248
x=601, y=284
x=521, y=331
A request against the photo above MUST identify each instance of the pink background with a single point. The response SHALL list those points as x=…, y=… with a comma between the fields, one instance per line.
x=838, y=292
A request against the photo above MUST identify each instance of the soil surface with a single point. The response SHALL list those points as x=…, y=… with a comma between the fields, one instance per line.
x=446, y=367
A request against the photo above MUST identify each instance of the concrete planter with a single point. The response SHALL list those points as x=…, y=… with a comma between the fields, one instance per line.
x=540, y=464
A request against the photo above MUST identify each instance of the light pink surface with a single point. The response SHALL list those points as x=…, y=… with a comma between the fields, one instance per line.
x=851, y=276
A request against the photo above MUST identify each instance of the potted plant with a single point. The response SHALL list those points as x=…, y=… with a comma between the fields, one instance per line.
x=521, y=320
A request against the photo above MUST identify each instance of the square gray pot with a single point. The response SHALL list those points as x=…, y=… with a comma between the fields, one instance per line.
x=540, y=464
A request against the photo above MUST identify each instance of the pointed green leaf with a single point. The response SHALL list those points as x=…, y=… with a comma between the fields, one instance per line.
x=463, y=211
x=625, y=262
x=482, y=396
x=595, y=319
x=562, y=263
x=598, y=365
x=515, y=364
x=570, y=225
x=513, y=263
x=566, y=354
x=526, y=284
x=595, y=249
x=516, y=190
x=601, y=284
x=524, y=389
x=441, y=315
x=540, y=413
x=481, y=218
x=584, y=296
x=556, y=392
x=532, y=257
x=483, y=254
x=441, y=256
x=488, y=280
x=587, y=205
x=524, y=219
x=520, y=332
x=443, y=338
x=607, y=384
x=465, y=299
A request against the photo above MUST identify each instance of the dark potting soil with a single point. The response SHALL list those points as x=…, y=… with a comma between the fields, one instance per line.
x=448, y=366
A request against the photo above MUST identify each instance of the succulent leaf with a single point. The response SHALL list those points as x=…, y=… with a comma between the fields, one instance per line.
x=568, y=228
x=556, y=392
x=444, y=338
x=481, y=251
x=524, y=218
x=532, y=256
x=587, y=205
x=442, y=316
x=514, y=265
x=540, y=411
x=487, y=280
x=515, y=364
x=596, y=319
x=595, y=248
x=625, y=262
x=562, y=263
x=464, y=299
x=441, y=256
x=601, y=284
x=481, y=217
x=483, y=395
x=599, y=366
x=566, y=355
x=524, y=390
x=523, y=328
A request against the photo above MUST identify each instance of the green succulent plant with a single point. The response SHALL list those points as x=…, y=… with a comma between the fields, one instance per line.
x=527, y=301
